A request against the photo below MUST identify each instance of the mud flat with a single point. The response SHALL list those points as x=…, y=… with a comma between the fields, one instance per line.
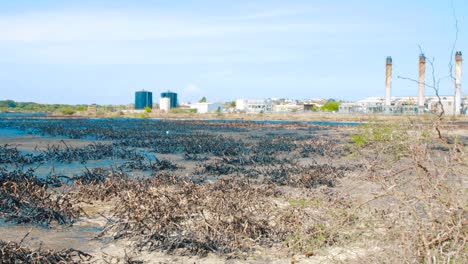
x=194, y=191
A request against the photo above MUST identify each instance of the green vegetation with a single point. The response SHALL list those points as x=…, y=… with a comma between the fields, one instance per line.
x=182, y=111
x=374, y=132
x=202, y=100
x=12, y=106
x=331, y=106
x=63, y=109
x=231, y=104
x=147, y=109
x=394, y=136
x=81, y=108
x=67, y=111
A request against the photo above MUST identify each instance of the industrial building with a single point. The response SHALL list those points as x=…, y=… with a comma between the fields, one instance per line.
x=165, y=104
x=404, y=105
x=203, y=108
x=172, y=97
x=288, y=108
x=254, y=105
x=143, y=99
x=451, y=104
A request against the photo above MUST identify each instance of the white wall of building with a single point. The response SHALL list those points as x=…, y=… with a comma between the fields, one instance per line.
x=254, y=105
x=203, y=108
x=165, y=104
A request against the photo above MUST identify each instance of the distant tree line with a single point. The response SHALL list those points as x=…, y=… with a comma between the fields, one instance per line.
x=12, y=106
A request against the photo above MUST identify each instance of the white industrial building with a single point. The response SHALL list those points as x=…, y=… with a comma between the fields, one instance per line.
x=203, y=108
x=165, y=104
x=404, y=105
x=254, y=105
x=451, y=105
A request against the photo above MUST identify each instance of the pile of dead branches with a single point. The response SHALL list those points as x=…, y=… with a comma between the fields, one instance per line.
x=173, y=215
x=27, y=199
x=29, y=203
x=114, y=182
x=12, y=252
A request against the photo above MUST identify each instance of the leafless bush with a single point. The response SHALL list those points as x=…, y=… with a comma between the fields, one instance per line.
x=425, y=178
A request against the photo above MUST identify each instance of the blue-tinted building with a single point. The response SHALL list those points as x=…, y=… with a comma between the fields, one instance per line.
x=143, y=99
x=172, y=96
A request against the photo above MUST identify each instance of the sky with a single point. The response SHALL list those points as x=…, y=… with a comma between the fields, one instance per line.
x=91, y=51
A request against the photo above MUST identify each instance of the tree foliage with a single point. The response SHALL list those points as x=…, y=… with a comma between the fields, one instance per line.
x=12, y=106
x=331, y=106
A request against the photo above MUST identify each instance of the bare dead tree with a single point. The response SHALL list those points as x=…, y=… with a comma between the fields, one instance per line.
x=436, y=81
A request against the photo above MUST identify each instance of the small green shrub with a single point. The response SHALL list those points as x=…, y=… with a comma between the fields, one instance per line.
x=182, y=111
x=331, y=106
x=68, y=111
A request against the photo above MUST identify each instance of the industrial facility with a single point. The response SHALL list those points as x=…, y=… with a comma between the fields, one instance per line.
x=172, y=98
x=203, y=108
x=143, y=99
x=450, y=104
x=254, y=105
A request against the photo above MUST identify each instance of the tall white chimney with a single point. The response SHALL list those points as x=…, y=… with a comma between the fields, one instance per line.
x=458, y=88
x=388, y=82
x=421, y=82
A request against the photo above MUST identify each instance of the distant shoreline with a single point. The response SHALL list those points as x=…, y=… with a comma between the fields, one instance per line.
x=292, y=117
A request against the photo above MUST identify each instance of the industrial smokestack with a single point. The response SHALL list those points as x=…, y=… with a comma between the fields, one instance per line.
x=421, y=82
x=388, y=82
x=458, y=88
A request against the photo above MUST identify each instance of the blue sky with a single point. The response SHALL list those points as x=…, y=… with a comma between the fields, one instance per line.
x=84, y=51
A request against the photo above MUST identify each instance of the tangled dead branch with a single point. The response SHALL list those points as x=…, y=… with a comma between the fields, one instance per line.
x=12, y=252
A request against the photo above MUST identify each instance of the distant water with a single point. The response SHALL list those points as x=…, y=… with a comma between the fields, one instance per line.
x=11, y=132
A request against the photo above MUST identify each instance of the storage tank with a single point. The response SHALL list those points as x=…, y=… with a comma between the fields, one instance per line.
x=172, y=96
x=143, y=99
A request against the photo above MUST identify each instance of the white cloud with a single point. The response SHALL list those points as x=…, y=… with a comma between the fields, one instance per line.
x=143, y=37
x=69, y=26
